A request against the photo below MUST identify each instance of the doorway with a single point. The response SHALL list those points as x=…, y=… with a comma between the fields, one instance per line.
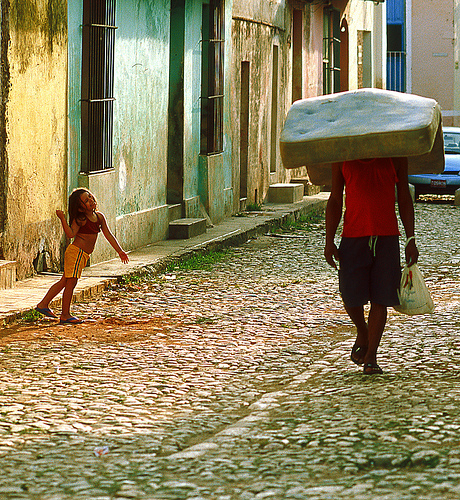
x=175, y=169
x=244, y=130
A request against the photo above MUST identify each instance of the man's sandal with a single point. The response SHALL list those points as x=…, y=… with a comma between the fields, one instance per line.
x=372, y=369
x=357, y=354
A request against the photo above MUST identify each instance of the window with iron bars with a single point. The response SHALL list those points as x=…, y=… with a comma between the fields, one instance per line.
x=331, y=51
x=212, y=78
x=98, y=44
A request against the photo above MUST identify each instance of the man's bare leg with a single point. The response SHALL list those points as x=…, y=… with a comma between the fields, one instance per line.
x=376, y=324
x=362, y=338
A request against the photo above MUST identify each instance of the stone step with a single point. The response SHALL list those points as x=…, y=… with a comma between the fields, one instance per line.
x=182, y=229
x=174, y=211
x=309, y=189
x=7, y=273
x=285, y=193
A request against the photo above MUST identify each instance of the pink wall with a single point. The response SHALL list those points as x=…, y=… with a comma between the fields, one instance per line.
x=433, y=52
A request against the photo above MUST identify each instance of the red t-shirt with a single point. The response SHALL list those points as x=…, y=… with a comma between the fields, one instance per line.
x=370, y=198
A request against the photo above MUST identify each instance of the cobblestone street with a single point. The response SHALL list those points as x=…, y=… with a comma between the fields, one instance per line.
x=233, y=382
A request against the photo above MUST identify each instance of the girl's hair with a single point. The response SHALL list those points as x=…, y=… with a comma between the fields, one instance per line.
x=75, y=204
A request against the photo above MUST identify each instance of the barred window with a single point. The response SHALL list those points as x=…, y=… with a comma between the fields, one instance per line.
x=212, y=78
x=98, y=43
x=331, y=51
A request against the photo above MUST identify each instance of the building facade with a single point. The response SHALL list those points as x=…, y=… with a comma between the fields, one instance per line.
x=163, y=109
x=285, y=50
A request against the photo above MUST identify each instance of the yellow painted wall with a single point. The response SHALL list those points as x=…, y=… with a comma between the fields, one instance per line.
x=36, y=133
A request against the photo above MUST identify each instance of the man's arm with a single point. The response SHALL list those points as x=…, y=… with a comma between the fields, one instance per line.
x=334, y=214
x=406, y=209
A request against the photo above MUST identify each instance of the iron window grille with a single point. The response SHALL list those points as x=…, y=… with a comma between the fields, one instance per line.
x=97, y=78
x=331, y=51
x=212, y=78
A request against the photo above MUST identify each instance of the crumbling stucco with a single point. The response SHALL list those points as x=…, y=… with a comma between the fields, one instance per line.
x=33, y=133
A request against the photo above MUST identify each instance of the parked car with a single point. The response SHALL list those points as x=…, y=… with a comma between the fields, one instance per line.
x=449, y=181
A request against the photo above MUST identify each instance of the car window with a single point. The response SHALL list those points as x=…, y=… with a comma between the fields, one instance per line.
x=451, y=142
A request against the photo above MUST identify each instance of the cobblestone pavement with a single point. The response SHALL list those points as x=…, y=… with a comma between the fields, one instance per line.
x=234, y=382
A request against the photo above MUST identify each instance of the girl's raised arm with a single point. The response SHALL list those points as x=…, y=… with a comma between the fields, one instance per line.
x=112, y=240
x=70, y=232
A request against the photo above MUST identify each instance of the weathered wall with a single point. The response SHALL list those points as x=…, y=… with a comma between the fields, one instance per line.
x=35, y=131
x=360, y=18
x=195, y=188
x=141, y=120
x=133, y=194
x=214, y=181
x=257, y=27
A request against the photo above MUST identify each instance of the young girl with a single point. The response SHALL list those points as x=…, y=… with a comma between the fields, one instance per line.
x=84, y=225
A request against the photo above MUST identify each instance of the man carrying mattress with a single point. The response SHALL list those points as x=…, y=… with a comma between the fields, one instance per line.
x=368, y=254
x=332, y=135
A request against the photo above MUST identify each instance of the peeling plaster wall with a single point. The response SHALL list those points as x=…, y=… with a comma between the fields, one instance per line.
x=360, y=17
x=133, y=194
x=256, y=28
x=141, y=108
x=35, y=117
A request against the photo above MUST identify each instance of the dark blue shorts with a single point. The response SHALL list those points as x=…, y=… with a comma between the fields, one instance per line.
x=370, y=270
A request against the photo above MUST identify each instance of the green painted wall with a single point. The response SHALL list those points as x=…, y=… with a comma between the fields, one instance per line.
x=141, y=108
x=74, y=20
x=209, y=177
x=192, y=92
x=145, y=98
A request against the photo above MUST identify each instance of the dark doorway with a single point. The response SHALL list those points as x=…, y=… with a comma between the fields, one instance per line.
x=175, y=170
x=244, y=129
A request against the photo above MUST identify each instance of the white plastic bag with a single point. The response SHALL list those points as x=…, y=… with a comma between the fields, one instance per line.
x=414, y=297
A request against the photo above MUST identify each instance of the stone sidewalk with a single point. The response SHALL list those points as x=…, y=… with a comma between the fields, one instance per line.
x=232, y=231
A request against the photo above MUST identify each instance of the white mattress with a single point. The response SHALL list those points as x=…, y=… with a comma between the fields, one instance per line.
x=364, y=123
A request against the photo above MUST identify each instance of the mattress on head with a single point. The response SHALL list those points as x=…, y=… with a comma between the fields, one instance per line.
x=365, y=123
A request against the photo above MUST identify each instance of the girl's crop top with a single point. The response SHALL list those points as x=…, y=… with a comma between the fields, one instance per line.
x=90, y=227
